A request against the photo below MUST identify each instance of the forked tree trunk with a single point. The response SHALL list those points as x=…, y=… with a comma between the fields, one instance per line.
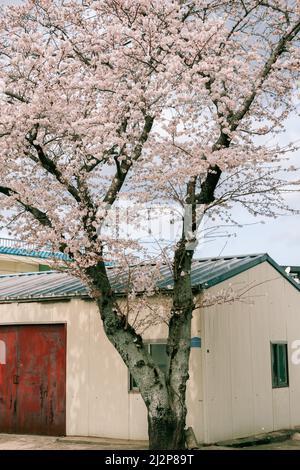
x=166, y=431
x=164, y=395
x=166, y=425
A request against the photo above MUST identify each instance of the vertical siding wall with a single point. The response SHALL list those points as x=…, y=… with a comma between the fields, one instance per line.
x=98, y=401
x=195, y=386
x=238, y=394
x=17, y=266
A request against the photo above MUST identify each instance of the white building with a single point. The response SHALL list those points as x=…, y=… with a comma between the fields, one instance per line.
x=60, y=375
x=18, y=257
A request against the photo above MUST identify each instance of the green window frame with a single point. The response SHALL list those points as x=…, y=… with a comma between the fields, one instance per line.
x=44, y=267
x=158, y=352
x=279, y=363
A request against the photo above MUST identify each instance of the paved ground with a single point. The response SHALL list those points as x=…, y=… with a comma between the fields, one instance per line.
x=18, y=442
x=286, y=445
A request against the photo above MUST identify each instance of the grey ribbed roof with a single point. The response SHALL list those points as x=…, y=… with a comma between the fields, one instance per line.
x=208, y=270
x=46, y=284
x=55, y=285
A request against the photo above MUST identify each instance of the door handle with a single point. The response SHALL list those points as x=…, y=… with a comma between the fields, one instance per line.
x=16, y=379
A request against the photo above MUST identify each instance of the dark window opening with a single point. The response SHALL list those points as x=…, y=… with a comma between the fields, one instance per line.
x=158, y=352
x=279, y=357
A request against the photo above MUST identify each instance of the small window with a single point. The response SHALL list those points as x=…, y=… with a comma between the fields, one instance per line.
x=132, y=384
x=158, y=352
x=279, y=357
x=44, y=267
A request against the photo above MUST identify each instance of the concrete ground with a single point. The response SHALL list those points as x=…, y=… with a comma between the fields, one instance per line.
x=286, y=445
x=21, y=442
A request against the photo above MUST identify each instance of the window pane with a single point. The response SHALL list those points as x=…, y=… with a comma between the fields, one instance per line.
x=274, y=365
x=279, y=358
x=159, y=354
x=133, y=384
x=282, y=364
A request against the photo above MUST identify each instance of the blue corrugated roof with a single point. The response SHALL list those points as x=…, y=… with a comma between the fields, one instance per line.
x=53, y=284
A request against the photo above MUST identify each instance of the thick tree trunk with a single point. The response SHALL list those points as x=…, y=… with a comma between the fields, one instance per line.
x=164, y=395
x=166, y=430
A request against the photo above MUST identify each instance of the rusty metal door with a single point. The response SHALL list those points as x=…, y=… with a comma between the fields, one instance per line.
x=33, y=379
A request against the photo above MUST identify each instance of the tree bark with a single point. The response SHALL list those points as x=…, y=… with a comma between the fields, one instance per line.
x=166, y=430
x=164, y=395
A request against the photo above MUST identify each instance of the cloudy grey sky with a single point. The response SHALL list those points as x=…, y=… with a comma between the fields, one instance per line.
x=279, y=237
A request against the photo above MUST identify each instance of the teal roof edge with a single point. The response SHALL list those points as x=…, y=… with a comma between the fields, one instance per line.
x=4, y=250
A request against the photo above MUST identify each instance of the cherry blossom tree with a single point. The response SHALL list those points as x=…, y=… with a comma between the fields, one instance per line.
x=105, y=101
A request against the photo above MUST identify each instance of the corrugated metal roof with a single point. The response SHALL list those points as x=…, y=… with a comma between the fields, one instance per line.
x=209, y=271
x=55, y=285
x=45, y=284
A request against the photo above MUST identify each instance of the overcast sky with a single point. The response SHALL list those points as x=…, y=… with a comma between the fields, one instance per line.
x=280, y=237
